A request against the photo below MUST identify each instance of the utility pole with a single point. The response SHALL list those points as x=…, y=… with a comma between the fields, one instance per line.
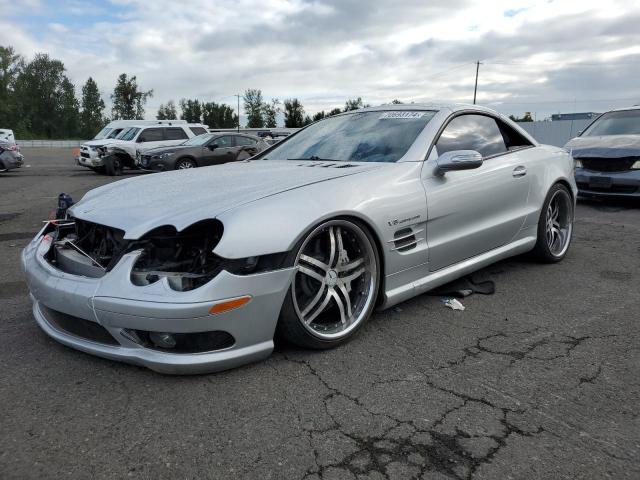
x=238, y=112
x=475, y=89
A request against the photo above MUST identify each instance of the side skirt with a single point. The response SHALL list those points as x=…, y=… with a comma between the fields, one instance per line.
x=446, y=275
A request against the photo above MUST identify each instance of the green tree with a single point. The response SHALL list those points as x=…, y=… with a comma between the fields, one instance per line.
x=319, y=116
x=525, y=118
x=253, y=108
x=218, y=115
x=45, y=98
x=307, y=120
x=293, y=113
x=354, y=104
x=167, y=112
x=270, y=112
x=10, y=67
x=128, y=100
x=69, y=110
x=92, y=116
x=395, y=101
x=335, y=111
x=191, y=110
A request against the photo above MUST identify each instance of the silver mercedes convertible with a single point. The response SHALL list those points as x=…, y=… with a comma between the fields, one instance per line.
x=198, y=270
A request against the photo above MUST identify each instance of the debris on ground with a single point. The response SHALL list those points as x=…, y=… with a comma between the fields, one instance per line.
x=452, y=303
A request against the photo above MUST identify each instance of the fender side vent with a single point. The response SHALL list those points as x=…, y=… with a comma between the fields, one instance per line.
x=404, y=240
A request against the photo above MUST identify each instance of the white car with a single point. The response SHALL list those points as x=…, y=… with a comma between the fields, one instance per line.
x=112, y=155
x=6, y=136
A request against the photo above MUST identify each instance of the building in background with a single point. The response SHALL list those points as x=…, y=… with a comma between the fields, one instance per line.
x=574, y=116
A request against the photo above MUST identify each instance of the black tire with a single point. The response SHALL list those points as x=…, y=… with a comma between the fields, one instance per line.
x=290, y=326
x=113, y=165
x=546, y=250
x=185, y=163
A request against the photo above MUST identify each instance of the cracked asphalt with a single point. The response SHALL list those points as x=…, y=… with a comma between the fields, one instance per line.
x=539, y=380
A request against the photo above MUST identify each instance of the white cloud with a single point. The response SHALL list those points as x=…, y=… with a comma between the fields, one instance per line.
x=534, y=51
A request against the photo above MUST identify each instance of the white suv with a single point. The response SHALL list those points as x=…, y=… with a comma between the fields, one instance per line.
x=112, y=155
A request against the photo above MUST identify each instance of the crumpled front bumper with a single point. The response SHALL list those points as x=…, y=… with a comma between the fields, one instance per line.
x=116, y=304
x=608, y=184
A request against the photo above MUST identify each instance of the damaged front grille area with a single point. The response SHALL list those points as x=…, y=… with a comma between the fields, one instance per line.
x=185, y=259
x=608, y=164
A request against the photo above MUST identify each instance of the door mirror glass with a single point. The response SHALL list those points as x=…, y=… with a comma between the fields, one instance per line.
x=458, y=160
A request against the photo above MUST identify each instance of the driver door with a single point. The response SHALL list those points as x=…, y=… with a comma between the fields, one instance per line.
x=473, y=211
x=218, y=150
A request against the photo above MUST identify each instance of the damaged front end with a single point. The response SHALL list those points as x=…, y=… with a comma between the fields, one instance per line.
x=185, y=259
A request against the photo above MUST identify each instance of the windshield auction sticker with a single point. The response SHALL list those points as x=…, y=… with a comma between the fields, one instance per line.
x=401, y=115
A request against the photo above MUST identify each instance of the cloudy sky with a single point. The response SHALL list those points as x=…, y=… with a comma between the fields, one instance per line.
x=543, y=56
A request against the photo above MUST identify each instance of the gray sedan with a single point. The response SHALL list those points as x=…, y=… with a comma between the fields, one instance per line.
x=607, y=155
x=360, y=210
x=202, y=151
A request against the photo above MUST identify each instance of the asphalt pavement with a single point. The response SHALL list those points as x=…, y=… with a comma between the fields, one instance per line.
x=540, y=380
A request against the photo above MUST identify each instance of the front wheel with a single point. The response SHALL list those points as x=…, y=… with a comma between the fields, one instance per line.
x=184, y=163
x=334, y=288
x=555, y=225
x=113, y=165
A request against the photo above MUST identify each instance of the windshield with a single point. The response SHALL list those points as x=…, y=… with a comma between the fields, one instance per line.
x=357, y=137
x=102, y=133
x=626, y=122
x=199, y=140
x=128, y=134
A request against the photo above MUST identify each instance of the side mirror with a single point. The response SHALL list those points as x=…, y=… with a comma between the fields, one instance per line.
x=141, y=140
x=213, y=147
x=458, y=160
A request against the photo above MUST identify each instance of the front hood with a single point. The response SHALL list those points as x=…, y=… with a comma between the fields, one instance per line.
x=181, y=198
x=610, y=146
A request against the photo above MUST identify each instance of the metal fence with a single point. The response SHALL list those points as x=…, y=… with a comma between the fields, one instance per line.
x=49, y=143
x=555, y=133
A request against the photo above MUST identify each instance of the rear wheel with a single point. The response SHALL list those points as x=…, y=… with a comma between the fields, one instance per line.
x=184, y=163
x=335, y=286
x=555, y=225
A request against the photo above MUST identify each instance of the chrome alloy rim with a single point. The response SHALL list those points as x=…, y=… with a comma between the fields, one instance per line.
x=335, y=281
x=559, y=223
x=184, y=165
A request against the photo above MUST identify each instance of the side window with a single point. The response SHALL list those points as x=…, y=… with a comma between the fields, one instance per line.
x=150, y=135
x=223, y=142
x=242, y=141
x=198, y=130
x=175, y=133
x=472, y=132
x=512, y=138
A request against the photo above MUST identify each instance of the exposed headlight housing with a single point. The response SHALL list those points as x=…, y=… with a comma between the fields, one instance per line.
x=185, y=258
x=636, y=166
x=577, y=163
x=165, y=155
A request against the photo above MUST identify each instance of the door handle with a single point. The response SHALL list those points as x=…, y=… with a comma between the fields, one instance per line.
x=519, y=171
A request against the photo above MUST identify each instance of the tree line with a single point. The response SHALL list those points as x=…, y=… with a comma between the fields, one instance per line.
x=38, y=100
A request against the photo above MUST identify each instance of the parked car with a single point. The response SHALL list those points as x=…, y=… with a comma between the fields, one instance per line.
x=10, y=156
x=202, y=151
x=112, y=155
x=607, y=155
x=6, y=136
x=195, y=270
x=113, y=128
